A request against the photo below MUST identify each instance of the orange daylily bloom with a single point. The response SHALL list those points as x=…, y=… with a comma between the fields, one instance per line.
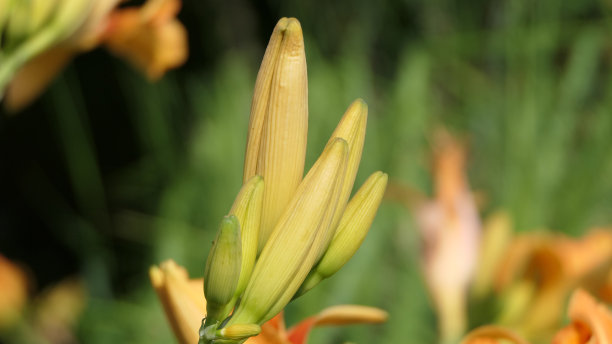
x=591, y=321
x=542, y=269
x=450, y=227
x=13, y=292
x=148, y=36
x=185, y=306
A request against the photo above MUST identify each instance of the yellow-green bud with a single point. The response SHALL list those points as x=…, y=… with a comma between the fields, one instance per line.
x=353, y=228
x=247, y=208
x=352, y=128
x=223, y=270
x=239, y=331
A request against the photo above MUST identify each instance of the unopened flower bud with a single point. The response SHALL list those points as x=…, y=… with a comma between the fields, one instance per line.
x=247, y=208
x=353, y=228
x=276, y=144
x=239, y=331
x=223, y=269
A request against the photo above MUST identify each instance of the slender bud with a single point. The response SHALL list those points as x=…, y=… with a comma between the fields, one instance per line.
x=352, y=128
x=223, y=270
x=247, y=208
x=353, y=228
x=288, y=255
x=239, y=331
x=276, y=144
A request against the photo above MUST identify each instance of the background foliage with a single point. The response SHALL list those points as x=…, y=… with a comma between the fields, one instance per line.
x=107, y=174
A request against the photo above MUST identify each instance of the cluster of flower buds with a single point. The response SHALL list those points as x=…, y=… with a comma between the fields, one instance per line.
x=284, y=233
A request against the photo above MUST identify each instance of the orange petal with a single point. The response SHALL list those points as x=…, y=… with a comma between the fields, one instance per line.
x=575, y=333
x=272, y=332
x=299, y=333
x=350, y=314
x=182, y=298
x=583, y=308
x=149, y=37
x=13, y=292
x=492, y=334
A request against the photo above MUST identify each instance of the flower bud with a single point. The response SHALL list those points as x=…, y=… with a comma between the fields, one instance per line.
x=352, y=230
x=247, y=208
x=239, y=331
x=352, y=128
x=276, y=144
x=223, y=270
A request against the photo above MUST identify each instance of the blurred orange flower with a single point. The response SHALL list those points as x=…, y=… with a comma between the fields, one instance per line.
x=148, y=36
x=591, y=322
x=540, y=270
x=13, y=292
x=450, y=227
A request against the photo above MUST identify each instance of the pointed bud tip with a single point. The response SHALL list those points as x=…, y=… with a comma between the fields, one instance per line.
x=292, y=25
x=229, y=224
x=156, y=276
x=361, y=103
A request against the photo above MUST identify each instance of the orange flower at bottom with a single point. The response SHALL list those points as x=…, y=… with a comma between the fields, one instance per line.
x=13, y=292
x=273, y=331
x=591, y=321
x=184, y=304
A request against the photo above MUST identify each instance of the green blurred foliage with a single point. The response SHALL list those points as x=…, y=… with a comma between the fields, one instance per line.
x=107, y=174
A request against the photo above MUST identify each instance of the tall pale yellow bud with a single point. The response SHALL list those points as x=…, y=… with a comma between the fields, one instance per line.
x=276, y=144
x=289, y=254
